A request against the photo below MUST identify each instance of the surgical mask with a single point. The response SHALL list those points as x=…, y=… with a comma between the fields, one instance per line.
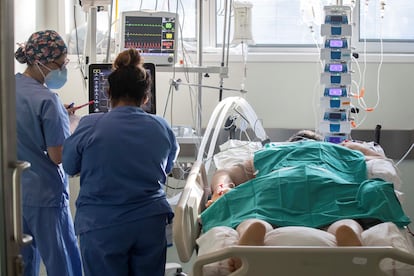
x=56, y=78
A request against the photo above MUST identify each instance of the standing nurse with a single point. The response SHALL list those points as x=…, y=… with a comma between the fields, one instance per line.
x=123, y=157
x=42, y=126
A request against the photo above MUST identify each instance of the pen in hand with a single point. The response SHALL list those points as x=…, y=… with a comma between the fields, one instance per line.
x=70, y=108
x=82, y=105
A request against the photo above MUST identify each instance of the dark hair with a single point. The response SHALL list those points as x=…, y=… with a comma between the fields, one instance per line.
x=305, y=134
x=129, y=80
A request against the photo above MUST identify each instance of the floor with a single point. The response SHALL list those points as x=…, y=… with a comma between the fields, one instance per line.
x=173, y=188
x=173, y=261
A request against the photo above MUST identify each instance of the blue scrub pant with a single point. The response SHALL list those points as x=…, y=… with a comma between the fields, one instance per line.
x=54, y=242
x=136, y=248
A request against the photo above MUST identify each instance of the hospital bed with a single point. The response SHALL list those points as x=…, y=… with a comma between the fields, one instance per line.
x=291, y=251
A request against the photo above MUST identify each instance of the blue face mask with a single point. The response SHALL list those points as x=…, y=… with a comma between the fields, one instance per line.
x=56, y=78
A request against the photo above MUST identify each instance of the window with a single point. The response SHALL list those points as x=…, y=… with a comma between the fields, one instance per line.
x=287, y=23
x=296, y=23
x=391, y=22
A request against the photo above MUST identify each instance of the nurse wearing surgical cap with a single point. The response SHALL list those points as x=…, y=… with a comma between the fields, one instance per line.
x=42, y=126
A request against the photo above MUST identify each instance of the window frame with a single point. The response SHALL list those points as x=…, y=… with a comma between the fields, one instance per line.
x=385, y=46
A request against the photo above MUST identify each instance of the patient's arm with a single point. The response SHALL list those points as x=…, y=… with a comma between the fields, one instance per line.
x=369, y=153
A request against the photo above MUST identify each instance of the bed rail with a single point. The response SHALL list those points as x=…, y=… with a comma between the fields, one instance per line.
x=186, y=227
x=306, y=261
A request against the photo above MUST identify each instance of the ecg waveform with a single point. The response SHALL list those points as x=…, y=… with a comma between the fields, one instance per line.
x=152, y=36
x=141, y=34
x=142, y=45
x=144, y=25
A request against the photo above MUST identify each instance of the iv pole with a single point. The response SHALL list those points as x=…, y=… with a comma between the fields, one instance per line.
x=200, y=63
x=223, y=68
x=200, y=69
x=226, y=19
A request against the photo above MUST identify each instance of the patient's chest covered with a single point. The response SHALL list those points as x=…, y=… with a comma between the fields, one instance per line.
x=307, y=184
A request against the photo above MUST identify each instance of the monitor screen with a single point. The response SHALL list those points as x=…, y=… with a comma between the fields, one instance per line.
x=152, y=33
x=336, y=43
x=335, y=92
x=98, y=88
x=335, y=67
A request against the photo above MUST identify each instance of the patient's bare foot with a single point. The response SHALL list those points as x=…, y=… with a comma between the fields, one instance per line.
x=253, y=235
x=346, y=236
x=234, y=264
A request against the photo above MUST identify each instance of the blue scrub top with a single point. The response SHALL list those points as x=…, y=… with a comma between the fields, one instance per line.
x=123, y=157
x=42, y=121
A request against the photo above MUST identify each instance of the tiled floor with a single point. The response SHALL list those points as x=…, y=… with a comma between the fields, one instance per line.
x=172, y=258
x=173, y=188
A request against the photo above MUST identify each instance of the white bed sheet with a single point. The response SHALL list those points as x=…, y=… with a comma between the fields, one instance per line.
x=384, y=234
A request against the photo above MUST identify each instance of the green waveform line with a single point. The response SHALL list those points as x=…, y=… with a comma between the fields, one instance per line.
x=142, y=25
x=134, y=34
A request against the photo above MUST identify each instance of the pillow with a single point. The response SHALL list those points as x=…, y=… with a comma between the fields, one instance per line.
x=214, y=239
x=235, y=152
x=384, y=169
x=388, y=234
x=299, y=236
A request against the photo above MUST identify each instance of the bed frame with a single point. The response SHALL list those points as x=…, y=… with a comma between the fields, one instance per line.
x=264, y=260
x=267, y=260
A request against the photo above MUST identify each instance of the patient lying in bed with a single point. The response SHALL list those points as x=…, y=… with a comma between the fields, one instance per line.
x=306, y=183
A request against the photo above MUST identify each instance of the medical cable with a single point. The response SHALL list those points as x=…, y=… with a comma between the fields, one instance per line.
x=405, y=155
x=108, y=45
x=245, y=122
x=365, y=45
x=187, y=60
x=316, y=86
x=170, y=92
x=167, y=101
x=169, y=95
x=360, y=96
x=80, y=66
x=209, y=86
x=317, y=83
x=244, y=47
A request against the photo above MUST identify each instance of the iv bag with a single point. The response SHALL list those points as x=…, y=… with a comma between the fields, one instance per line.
x=242, y=22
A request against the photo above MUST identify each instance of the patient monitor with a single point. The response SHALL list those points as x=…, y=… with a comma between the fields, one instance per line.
x=153, y=33
x=98, y=87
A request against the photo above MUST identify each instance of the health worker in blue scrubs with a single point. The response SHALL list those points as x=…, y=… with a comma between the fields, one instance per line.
x=42, y=126
x=123, y=157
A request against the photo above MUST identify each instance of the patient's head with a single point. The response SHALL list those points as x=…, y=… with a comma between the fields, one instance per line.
x=221, y=183
x=305, y=134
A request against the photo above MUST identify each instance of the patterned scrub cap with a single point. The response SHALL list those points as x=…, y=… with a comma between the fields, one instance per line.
x=43, y=46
